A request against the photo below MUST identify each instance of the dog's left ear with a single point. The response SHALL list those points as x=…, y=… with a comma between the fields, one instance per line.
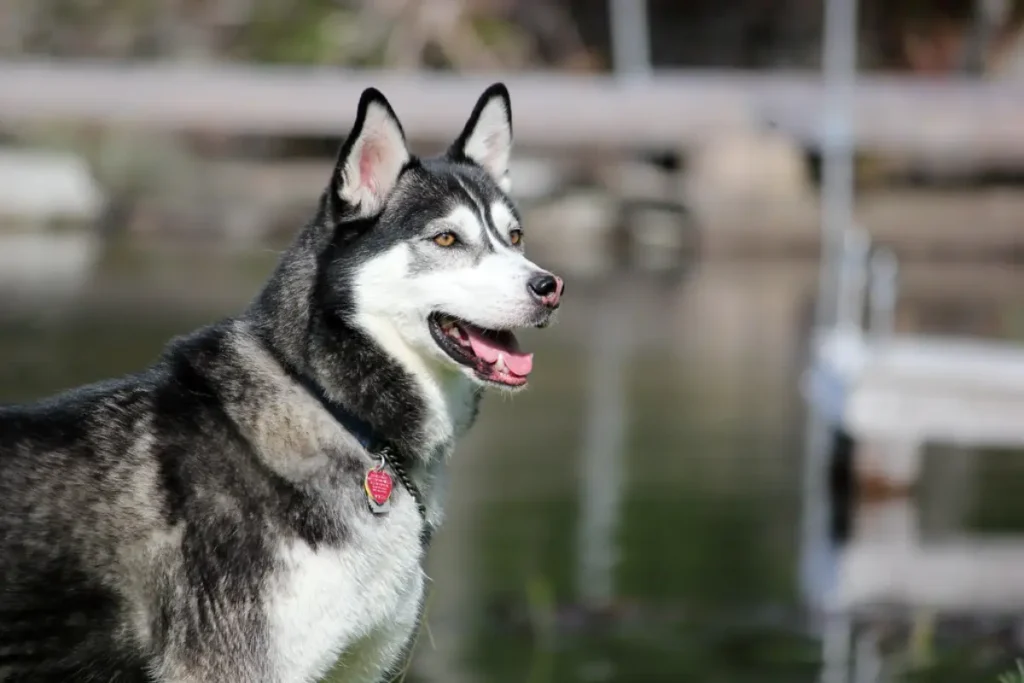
x=372, y=157
x=487, y=138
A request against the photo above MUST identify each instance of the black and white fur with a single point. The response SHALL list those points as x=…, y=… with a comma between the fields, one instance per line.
x=204, y=519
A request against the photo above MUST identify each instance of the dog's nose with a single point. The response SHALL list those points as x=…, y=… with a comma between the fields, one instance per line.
x=547, y=289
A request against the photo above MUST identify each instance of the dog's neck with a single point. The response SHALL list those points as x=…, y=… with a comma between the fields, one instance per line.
x=449, y=399
x=363, y=366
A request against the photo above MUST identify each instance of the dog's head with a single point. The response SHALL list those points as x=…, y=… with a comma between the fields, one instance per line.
x=434, y=268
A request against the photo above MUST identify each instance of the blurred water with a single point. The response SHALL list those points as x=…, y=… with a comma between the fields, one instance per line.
x=605, y=526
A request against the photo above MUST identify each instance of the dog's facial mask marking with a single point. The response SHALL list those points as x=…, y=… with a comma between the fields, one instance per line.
x=441, y=279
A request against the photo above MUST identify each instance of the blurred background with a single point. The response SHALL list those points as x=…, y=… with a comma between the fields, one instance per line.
x=773, y=437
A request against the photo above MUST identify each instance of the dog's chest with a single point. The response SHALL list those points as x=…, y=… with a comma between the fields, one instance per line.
x=357, y=602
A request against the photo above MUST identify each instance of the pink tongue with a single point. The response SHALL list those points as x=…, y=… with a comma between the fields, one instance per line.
x=518, y=363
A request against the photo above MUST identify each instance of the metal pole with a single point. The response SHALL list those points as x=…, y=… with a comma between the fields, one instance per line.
x=839, y=61
x=884, y=289
x=852, y=277
x=603, y=459
x=602, y=462
x=836, y=646
x=631, y=38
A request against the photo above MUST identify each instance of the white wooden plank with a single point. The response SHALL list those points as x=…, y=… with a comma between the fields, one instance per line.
x=972, y=118
x=967, y=574
x=921, y=389
x=548, y=109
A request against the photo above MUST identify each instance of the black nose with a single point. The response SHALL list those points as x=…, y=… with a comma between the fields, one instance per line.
x=543, y=285
x=547, y=289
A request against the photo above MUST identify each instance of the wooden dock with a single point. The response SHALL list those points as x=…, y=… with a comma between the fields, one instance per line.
x=892, y=393
x=875, y=569
x=913, y=388
x=976, y=119
x=893, y=396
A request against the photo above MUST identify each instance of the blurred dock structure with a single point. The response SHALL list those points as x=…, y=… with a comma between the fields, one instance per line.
x=876, y=398
x=666, y=110
x=889, y=584
x=47, y=185
x=890, y=393
x=894, y=393
x=39, y=187
x=888, y=563
x=745, y=137
x=880, y=586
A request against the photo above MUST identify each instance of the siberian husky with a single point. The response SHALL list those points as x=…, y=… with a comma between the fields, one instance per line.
x=257, y=504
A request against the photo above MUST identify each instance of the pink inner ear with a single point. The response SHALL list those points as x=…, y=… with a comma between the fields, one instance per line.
x=371, y=156
x=492, y=143
x=492, y=140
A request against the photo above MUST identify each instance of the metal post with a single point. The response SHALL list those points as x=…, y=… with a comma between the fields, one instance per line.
x=836, y=648
x=603, y=459
x=852, y=275
x=631, y=38
x=839, y=60
x=817, y=552
x=884, y=289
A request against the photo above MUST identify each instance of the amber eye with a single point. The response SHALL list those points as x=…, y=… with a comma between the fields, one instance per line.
x=516, y=236
x=445, y=239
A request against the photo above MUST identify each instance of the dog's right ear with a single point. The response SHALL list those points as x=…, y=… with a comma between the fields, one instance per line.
x=372, y=157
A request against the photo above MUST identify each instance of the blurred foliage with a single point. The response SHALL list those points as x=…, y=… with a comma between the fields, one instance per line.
x=402, y=33
x=1016, y=676
x=301, y=34
x=919, y=35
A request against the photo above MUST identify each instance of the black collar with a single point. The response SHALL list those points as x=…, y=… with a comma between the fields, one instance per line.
x=368, y=438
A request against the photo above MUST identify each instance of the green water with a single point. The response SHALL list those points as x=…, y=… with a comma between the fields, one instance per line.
x=701, y=538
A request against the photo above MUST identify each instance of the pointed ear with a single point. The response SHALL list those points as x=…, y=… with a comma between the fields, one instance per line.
x=487, y=138
x=372, y=157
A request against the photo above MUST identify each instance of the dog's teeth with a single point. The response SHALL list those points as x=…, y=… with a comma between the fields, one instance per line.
x=499, y=365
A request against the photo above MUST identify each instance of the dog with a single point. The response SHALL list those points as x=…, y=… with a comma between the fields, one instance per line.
x=257, y=504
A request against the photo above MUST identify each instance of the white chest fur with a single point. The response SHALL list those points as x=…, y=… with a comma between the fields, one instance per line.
x=355, y=605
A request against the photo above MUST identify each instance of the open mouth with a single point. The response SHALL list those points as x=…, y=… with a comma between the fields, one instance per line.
x=493, y=354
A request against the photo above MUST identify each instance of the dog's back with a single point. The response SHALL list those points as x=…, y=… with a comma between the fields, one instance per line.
x=113, y=500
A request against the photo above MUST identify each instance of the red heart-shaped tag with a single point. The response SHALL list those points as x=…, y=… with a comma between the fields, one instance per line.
x=378, y=486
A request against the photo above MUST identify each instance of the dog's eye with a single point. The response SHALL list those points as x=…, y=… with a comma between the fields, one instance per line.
x=445, y=239
x=516, y=236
